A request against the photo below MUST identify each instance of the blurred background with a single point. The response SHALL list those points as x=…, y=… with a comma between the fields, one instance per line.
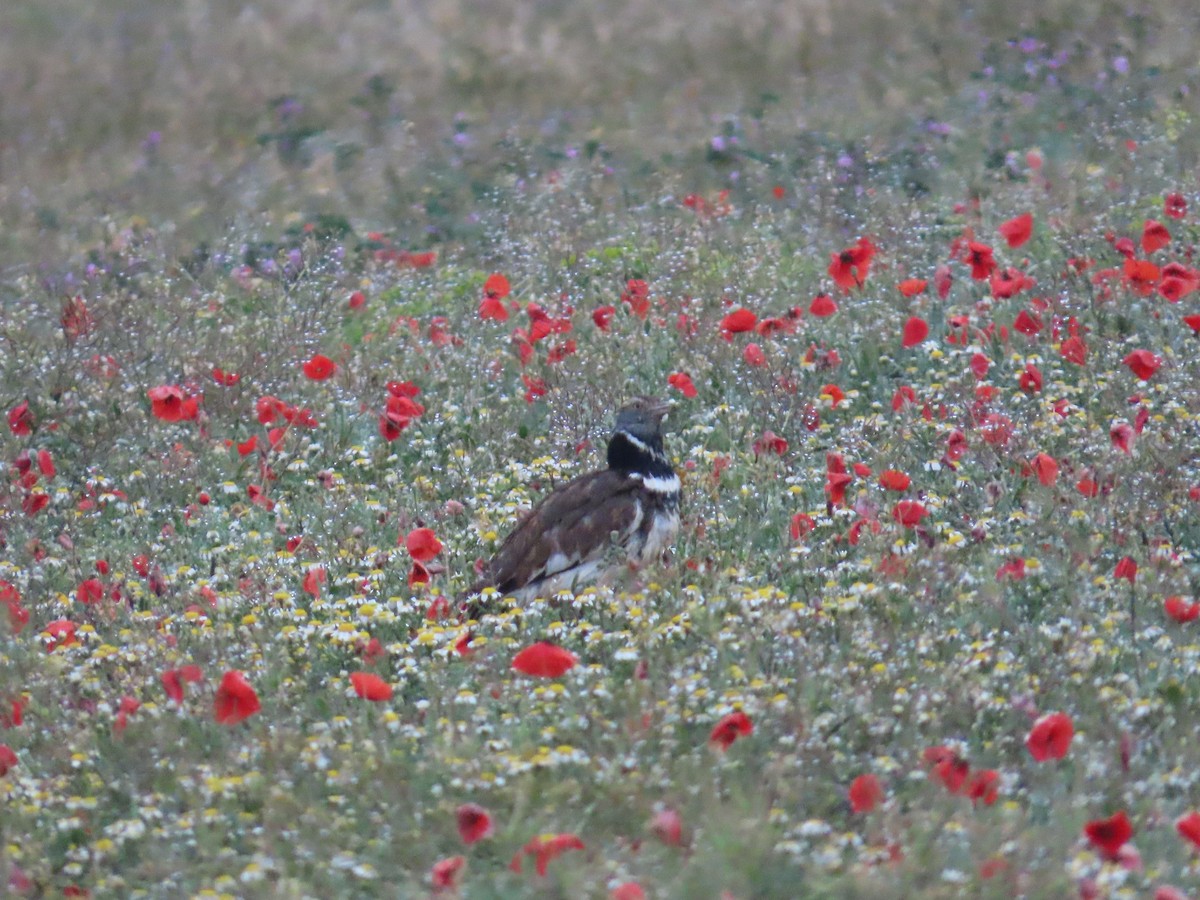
x=206, y=117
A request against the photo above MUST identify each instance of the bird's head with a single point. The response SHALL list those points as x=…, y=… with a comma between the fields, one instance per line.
x=642, y=417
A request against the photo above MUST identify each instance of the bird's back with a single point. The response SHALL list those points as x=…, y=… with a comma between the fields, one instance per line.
x=566, y=534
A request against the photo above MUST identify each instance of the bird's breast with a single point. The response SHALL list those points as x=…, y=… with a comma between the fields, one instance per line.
x=661, y=534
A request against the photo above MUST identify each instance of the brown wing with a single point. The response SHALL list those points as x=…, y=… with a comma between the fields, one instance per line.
x=569, y=527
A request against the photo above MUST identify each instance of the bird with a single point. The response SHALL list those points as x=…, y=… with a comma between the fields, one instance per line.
x=565, y=541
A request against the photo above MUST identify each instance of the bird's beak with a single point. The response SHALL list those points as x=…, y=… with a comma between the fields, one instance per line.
x=660, y=408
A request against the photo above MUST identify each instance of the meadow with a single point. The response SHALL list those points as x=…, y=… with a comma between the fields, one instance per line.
x=304, y=304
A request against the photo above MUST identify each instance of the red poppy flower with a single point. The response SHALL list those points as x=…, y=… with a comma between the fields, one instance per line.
x=770, y=442
x=729, y=729
x=76, y=320
x=173, y=679
x=422, y=544
x=46, y=464
x=559, y=352
x=912, y=287
x=248, y=446
x=225, y=379
x=996, y=429
x=534, y=387
x=1142, y=363
x=18, y=616
x=667, y=826
x=822, y=305
x=983, y=786
x=267, y=409
x=9, y=593
x=979, y=257
x=1189, y=827
x=980, y=365
x=1014, y=570
x=637, y=297
x=544, y=660
x=496, y=286
x=1180, y=610
x=438, y=609
x=474, y=823
x=1050, y=737
x=1126, y=569
x=802, y=524
x=848, y=268
x=492, y=308
x=447, y=872
x=1008, y=282
x=319, y=367
x=398, y=415
x=90, y=591
x=462, y=644
x=540, y=323
x=1074, y=350
x=1017, y=231
x=1124, y=246
x=943, y=280
x=682, y=382
x=1045, y=468
x=754, y=356
x=357, y=300
x=779, y=324
x=17, y=717
x=34, y=502
x=916, y=330
x=313, y=579
x=909, y=513
x=1174, y=288
x=1109, y=835
x=835, y=394
x=865, y=793
x=602, y=316
x=956, y=446
x=8, y=759
x=902, y=397
x=1141, y=275
x=628, y=890
x=1120, y=434
x=235, y=700
x=127, y=707
x=62, y=633
x=948, y=767
x=1174, y=206
x=1154, y=236
x=1030, y=380
x=544, y=848
x=1028, y=323
x=370, y=687
x=835, y=487
x=894, y=480
x=168, y=402
x=418, y=574
x=738, y=321
x=403, y=389
x=20, y=419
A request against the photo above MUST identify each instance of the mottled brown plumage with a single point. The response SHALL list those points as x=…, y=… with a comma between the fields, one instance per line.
x=568, y=538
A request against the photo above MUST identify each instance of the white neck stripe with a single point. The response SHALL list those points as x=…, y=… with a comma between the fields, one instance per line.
x=637, y=442
x=660, y=485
